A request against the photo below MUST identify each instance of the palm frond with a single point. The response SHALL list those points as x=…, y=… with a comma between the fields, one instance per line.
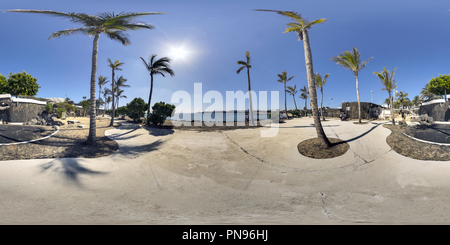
x=240, y=69
x=69, y=32
x=118, y=36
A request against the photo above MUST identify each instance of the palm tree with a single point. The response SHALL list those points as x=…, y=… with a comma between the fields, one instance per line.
x=101, y=81
x=304, y=95
x=106, y=92
x=301, y=27
x=283, y=79
x=111, y=24
x=155, y=67
x=246, y=64
x=387, y=101
x=115, y=67
x=108, y=100
x=292, y=91
x=320, y=83
x=351, y=61
x=415, y=101
x=389, y=84
x=120, y=83
x=402, y=98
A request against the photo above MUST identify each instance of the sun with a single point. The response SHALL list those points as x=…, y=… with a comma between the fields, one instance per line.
x=177, y=53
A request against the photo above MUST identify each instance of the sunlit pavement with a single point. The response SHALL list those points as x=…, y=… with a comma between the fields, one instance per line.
x=230, y=177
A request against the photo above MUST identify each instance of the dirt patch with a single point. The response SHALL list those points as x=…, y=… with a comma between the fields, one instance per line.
x=312, y=148
x=19, y=133
x=70, y=141
x=411, y=148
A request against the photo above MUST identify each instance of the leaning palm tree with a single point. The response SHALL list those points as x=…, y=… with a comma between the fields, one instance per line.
x=351, y=61
x=108, y=100
x=114, y=67
x=119, y=95
x=106, y=92
x=292, y=91
x=283, y=79
x=101, y=81
x=246, y=64
x=304, y=95
x=320, y=83
x=111, y=24
x=301, y=27
x=389, y=84
x=160, y=66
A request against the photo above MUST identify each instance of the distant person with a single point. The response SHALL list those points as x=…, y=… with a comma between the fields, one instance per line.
x=246, y=117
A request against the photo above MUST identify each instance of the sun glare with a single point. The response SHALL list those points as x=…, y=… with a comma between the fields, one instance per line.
x=178, y=53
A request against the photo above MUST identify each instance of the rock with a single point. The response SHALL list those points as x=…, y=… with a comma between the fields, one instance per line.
x=402, y=123
x=58, y=123
x=429, y=119
x=81, y=126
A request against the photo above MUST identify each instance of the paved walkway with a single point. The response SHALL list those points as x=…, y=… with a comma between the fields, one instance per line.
x=230, y=177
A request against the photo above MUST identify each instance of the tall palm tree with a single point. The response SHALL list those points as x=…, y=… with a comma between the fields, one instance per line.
x=304, y=95
x=120, y=83
x=101, y=81
x=108, y=100
x=351, y=61
x=389, y=84
x=114, y=67
x=111, y=24
x=160, y=66
x=118, y=95
x=301, y=27
x=292, y=91
x=246, y=64
x=320, y=83
x=415, y=101
x=283, y=79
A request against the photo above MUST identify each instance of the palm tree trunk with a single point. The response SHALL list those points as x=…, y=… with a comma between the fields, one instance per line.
x=392, y=109
x=312, y=91
x=357, y=95
x=294, y=102
x=250, y=97
x=321, y=102
x=150, y=99
x=92, y=123
x=285, y=107
x=112, y=102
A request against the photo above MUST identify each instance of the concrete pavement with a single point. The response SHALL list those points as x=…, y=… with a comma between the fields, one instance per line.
x=230, y=177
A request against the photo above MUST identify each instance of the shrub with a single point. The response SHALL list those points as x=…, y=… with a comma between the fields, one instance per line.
x=60, y=112
x=295, y=113
x=160, y=112
x=49, y=108
x=136, y=109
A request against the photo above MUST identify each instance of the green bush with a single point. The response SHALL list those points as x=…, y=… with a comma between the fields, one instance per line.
x=295, y=113
x=49, y=108
x=136, y=109
x=160, y=112
x=60, y=112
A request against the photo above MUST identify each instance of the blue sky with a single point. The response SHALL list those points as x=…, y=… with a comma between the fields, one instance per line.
x=412, y=36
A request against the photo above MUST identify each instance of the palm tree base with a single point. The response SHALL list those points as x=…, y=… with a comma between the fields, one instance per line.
x=313, y=148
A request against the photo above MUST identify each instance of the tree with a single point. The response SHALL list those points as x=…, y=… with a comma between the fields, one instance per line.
x=106, y=92
x=415, y=101
x=283, y=79
x=402, y=98
x=120, y=83
x=108, y=100
x=320, y=83
x=427, y=95
x=439, y=85
x=112, y=25
x=301, y=27
x=2, y=84
x=136, y=109
x=21, y=84
x=161, y=111
x=292, y=91
x=101, y=81
x=85, y=104
x=351, y=61
x=246, y=64
x=304, y=95
x=155, y=67
x=389, y=84
x=114, y=67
